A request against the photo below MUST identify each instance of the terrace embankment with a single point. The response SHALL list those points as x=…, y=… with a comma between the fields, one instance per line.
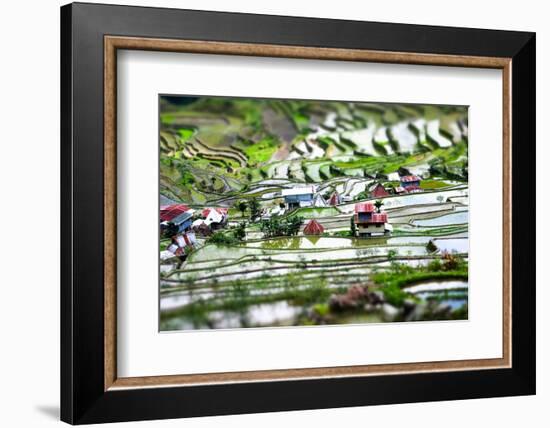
x=234, y=153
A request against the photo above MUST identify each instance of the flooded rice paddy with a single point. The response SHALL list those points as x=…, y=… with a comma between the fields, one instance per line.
x=243, y=154
x=283, y=281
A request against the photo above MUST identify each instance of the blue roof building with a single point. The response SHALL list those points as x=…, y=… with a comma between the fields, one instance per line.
x=183, y=221
x=299, y=197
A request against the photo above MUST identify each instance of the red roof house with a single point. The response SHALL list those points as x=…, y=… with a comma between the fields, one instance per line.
x=379, y=218
x=206, y=211
x=364, y=207
x=170, y=212
x=363, y=212
x=410, y=182
x=379, y=191
x=399, y=190
x=368, y=221
x=313, y=228
x=335, y=199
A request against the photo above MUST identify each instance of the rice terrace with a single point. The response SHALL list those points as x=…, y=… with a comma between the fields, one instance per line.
x=300, y=213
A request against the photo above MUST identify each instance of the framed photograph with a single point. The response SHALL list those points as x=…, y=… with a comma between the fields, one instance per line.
x=267, y=213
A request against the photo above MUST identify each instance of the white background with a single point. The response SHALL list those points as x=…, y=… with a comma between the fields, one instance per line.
x=144, y=352
x=29, y=165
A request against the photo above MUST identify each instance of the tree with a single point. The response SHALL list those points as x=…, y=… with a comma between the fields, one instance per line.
x=271, y=227
x=169, y=230
x=378, y=204
x=362, y=195
x=279, y=226
x=240, y=231
x=242, y=206
x=223, y=239
x=352, y=226
x=254, y=207
x=293, y=225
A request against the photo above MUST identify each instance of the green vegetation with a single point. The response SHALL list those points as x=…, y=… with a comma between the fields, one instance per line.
x=432, y=231
x=432, y=184
x=242, y=206
x=450, y=266
x=240, y=231
x=254, y=207
x=316, y=212
x=353, y=228
x=261, y=151
x=240, y=154
x=235, y=140
x=223, y=239
x=186, y=133
x=431, y=247
x=281, y=226
x=239, y=298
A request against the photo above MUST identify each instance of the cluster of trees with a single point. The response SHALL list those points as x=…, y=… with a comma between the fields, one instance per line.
x=223, y=238
x=168, y=230
x=353, y=229
x=240, y=231
x=281, y=226
x=232, y=237
x=455, y=171
x=252, y=205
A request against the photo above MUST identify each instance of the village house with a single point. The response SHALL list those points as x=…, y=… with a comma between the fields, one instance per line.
x=200, y=228
x=175, y=218
x=215, y=217
x=182, y=244
x=214, y=212
x=212, y=218
x=410, y=182
x=393, y=176
x=399, y=190
x=368, y=221
x=180, y=223
x=313, y=227
x=169, y=212
x=319, y=201
x=274, y=211
x=335, y=199
x=298, y=197
x=378, y=191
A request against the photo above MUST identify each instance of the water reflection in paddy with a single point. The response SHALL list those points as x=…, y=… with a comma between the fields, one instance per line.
x=452, y=293
x=459, y=245
x=320, y=242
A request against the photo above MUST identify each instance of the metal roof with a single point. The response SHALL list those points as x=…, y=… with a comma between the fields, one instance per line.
x=298, y=191
x=364, y=207
x=169, y=212
x=379, y=218
x=313, y=228
x=205, y=212
x=409, y=178
x=181, y=218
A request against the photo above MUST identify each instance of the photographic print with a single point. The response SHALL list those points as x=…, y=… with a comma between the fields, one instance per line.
x=283, y=212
